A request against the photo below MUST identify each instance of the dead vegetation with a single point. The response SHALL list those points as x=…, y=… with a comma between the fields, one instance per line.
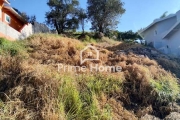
x=170, y=65
x=123, y=46
x=28, y=91
x=31, y=87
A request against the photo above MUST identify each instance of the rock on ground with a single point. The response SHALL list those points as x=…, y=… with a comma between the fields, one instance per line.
x=149, y=117
x=173, y=116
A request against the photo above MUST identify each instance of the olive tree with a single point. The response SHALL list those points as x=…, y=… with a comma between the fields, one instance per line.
x=104, y=14
x=62, y=15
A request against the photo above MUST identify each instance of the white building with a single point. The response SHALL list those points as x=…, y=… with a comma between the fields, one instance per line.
x=164, y=34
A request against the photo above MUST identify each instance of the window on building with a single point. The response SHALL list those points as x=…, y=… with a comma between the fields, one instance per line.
x=155, y=32
x=7, y=18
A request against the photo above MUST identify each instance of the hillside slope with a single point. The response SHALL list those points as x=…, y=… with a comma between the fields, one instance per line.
x=32, y=88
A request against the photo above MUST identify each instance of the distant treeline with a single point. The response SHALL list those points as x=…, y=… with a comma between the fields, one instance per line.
x=127, y=35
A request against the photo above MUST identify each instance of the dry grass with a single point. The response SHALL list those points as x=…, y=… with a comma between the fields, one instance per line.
x=123, y=46
x=31, y=88
x=53, y=49
x=106, y=42
x=170, y=65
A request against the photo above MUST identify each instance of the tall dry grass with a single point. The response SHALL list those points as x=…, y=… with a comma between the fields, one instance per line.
x=32, y=88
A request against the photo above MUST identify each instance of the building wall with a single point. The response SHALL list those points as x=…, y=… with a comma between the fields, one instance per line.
x=165, y=25
x=1, y=3
x=173, y=44
x=26, y=31
x=155, y=34
x=170, y=45
x=15, y=22
x=14, y=30
x=12, y=34
x=8, y=32
x=149, y=34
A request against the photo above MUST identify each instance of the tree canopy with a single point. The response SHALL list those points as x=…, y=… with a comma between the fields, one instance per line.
x=164, y=15
x=129, y=35
x=25, y=16
x=104, y=14
x=82, y=15
x=62, y=15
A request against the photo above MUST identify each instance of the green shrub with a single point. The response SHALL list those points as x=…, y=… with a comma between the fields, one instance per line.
x=94, y=86
x=87, y=38
x=70, y=98
x=167, y=89
x=82, y=103
x=12, y=47
x=101, y=83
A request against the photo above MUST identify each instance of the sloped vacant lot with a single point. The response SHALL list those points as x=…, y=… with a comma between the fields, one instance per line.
x=32, y=88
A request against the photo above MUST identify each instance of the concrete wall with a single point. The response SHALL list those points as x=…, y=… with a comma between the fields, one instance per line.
x=12, y=34
x=26, y=31
x=40, y=28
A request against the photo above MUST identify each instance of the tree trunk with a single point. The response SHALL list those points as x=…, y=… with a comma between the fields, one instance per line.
x=62, y=31
x=100, y=29
x=57, y=27
x=82, y=30
x=59, y=32
x=82, y=26
x=62, y=26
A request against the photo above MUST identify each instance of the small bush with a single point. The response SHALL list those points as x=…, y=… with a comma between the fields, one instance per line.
x=12, y=47
x=101, y=83
x=87, y=38
x=70, y=98
x=82, y=102
x=167, y=89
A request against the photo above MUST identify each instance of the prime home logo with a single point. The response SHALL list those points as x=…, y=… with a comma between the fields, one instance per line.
x=89, y=53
